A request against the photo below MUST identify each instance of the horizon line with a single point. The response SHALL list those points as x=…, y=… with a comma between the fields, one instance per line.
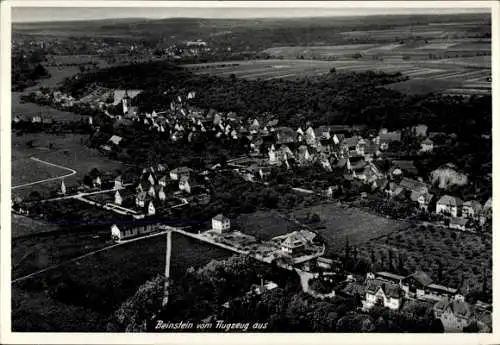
x=485, y=11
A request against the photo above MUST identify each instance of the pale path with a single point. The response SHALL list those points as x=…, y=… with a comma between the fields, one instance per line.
x=72, y=172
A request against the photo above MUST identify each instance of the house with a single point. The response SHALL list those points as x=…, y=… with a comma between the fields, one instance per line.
x=455, y=314
x=386, y=138
x=296, y=242
x=161, y=194
x=151, y=209
x=221, y=224
x=118, y=183
x=140, y=199
x=420, y=130
x=424, y=200
x=471, y=209
x=405, y=166
x=263, y=287
x=427, y=145
x=115, y=139
x=264, y=173
x=449, y=205
x=285, y=135
x=393, y=190
x=152, y=192
x=383, y=293
x=127, y=231
x=163, y=181
x=184, y=184
x=96, y=182
x=63, y=187
x=415, y=284
x=458, y=223
x=118, y=198
x=176, y=173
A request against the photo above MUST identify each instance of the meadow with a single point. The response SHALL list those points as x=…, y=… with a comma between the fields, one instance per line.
x=89, y=290
x=338, y=224
x=264, y=225
x=67, y=150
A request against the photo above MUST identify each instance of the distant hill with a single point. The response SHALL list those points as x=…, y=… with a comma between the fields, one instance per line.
x=251, y=33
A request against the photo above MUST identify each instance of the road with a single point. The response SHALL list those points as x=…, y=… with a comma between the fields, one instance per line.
x=71, y=173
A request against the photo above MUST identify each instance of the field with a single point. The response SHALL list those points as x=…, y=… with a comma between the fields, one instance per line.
x=338, y=224
x=441, y=52
x=461, y=254
x=24, y=226
x=28, y=110
x=265, y=225
x=99, y=283
x=66, y=150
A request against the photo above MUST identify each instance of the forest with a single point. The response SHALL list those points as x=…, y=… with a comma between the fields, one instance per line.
x=335, y=98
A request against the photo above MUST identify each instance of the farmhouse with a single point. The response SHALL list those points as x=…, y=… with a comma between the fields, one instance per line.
x=448, y=205
x=221, y=224
x=118, y=198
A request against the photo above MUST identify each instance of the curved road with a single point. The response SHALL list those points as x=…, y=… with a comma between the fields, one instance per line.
x=72, y=172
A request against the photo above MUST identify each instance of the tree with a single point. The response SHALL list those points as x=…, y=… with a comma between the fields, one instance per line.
x=389, y=263
x=135, y=314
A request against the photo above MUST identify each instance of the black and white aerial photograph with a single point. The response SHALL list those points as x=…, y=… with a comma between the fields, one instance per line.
x=264, y=169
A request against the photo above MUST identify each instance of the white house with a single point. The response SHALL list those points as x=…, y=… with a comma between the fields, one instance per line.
x=427, y=145
x=63, y=187
x=184, y=185
x=151, y=209
x=221, y=224
x=118, y=183
x=176, y=173
x=161, y=194
x=386, y=294
x=449, y=205
x=140, y=199
x=152, y=192
x=118, y=198
x=471, y=209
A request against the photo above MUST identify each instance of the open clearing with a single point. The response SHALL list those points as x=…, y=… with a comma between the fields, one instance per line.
x=265, y=225
x=338, y=224
x=90, y=289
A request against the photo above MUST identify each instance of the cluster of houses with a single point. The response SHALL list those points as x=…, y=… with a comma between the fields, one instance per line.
x=390, y=291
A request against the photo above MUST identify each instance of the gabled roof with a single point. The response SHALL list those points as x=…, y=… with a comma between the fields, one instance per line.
x=405, y=165
x=449, y=201
x=421, y=277
x=389, y=289
x=428, y=142
x=115, y=139
x=413, y=185
x=220, y=217
x=391, y=136
x=475, y=205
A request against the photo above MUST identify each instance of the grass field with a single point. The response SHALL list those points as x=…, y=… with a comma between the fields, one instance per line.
x=265, y=225
x=459, y=253
x=24, y=226
x=68, y=151
x=338, y=224
x=101, y=282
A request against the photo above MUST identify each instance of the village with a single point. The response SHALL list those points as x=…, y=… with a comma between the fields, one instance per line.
x=356, y=154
